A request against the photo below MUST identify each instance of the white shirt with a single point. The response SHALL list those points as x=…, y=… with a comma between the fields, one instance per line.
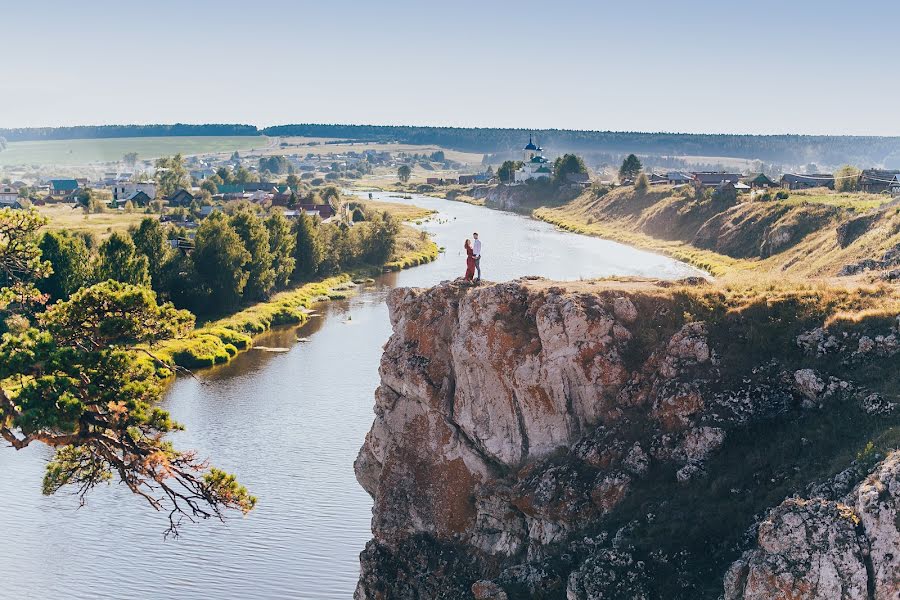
x=476, y=248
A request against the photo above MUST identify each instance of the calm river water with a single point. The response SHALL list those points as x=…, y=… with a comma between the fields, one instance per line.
x=289, y=426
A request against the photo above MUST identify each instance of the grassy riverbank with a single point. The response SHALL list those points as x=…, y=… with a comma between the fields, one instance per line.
x=807, y=235
x=218, y=341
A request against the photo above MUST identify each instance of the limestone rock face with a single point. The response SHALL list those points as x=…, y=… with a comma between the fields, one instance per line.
x=821, y=549
x=516, y=422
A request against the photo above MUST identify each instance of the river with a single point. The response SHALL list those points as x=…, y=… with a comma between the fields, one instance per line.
x=288, y=425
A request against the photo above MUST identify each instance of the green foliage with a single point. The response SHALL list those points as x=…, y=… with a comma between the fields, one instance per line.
x=120, y=261
x=282, y=244
x=276, y=165
x=210, y=186
x=308, y=248
x=171, y=175
x=565, y=165
x=150, y=241
x=630, y=168
x=846, y=179
x=404, y=173
x=255, y=238
x=219, y=258
x=83, y=390
x=506, y=171
x=70, y=262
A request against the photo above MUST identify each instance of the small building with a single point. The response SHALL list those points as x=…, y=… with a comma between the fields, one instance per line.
x=125, y=190
x=8, y=195
x=138, y=199
x=678, y=178
x=466, y=179
x=794, y=181
x=61, y=187
x=741, y=187
x=181, y=198
x=715, y=178
x=578, y=179
x=760, y=181
x=325, y=211
x=895, y=186
x=656, y=179
x=434, y=181
x=875, y=181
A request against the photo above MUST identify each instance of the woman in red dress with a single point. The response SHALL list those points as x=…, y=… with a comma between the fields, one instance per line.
x=470, y=261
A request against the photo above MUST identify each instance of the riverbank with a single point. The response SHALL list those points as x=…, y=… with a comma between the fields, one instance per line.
x=217, y=342
x=806, y=235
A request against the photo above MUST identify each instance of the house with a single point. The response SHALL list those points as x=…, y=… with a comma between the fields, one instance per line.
x=8, y=195
x=678, y=178
x=875, y=181
x=534, y=164
x=760, y=181
x=466, y=179
x=895, y=186
x=578, y=179
x=61, y=187
x=741, y=187
x=181, y=198
x=803, y=182
x=138, y=199
x=714, y=178
x=434, y=181
x=656, y=179
x=123, y=191
x=325, y=211
x=205, y=211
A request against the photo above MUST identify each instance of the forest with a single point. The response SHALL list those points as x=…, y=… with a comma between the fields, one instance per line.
x=789, y=149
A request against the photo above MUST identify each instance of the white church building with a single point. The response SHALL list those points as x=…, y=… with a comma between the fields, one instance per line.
x=534, y=165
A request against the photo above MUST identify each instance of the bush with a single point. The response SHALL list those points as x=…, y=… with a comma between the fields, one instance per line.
x=781, y=195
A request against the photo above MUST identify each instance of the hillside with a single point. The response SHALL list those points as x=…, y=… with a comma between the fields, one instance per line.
x=810, y=234
x=627, y=439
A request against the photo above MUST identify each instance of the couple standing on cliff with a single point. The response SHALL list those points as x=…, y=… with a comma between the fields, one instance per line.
x=473, y=258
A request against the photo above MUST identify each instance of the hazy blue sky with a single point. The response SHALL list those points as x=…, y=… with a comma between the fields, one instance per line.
x=690, y=65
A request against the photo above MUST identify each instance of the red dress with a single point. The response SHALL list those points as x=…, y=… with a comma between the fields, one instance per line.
x=470, y=264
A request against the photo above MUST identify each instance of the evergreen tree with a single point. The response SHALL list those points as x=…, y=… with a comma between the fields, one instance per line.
x=219, y=257
x=150, y=240
x=70, y=261
x=120, y=261
x=630, y=168
x=308, y=248
x=282, y=244
x=255, y=236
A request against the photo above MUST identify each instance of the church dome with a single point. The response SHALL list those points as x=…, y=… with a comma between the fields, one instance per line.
x=530, y=145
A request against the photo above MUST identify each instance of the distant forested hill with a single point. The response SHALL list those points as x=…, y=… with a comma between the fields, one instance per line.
x=794, y=149
x=87, y=132
x=785, y=149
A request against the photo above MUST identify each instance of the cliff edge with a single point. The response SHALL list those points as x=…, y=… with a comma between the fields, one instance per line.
x=628, y=439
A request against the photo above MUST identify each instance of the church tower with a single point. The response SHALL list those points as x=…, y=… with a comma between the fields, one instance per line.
x=530, y=150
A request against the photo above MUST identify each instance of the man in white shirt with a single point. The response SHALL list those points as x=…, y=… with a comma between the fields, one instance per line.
x=476, y=250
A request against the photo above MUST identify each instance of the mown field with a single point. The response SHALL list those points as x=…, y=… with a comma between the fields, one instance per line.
x=84, y=152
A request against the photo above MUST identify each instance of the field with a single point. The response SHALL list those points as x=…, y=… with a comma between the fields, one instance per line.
x=299, y=145
x=63, y=216
x=84, y=152
x=857, y=201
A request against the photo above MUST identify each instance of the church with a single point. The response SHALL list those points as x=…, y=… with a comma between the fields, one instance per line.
x=534, y=165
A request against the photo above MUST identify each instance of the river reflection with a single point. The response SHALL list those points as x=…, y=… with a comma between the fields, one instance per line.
x=288, y=424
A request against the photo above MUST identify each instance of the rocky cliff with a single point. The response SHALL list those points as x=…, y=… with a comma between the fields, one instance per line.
x=629, y=440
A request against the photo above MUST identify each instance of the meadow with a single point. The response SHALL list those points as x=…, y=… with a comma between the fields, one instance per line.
x=84, y=152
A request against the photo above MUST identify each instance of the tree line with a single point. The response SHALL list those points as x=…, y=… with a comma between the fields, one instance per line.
x=792, y=149
x=234, y=258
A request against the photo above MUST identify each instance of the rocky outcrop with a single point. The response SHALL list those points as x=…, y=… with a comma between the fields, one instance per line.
x=531, y=440
x=824, y=549
x=524, y=197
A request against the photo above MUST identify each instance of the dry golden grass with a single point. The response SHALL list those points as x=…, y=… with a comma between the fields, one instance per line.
x=63, y=216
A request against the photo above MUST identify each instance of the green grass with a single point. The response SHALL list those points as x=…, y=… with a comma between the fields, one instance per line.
x=219, y=341
x=83, y=152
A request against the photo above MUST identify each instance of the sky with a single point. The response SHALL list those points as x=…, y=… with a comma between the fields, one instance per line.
x=680, y=66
